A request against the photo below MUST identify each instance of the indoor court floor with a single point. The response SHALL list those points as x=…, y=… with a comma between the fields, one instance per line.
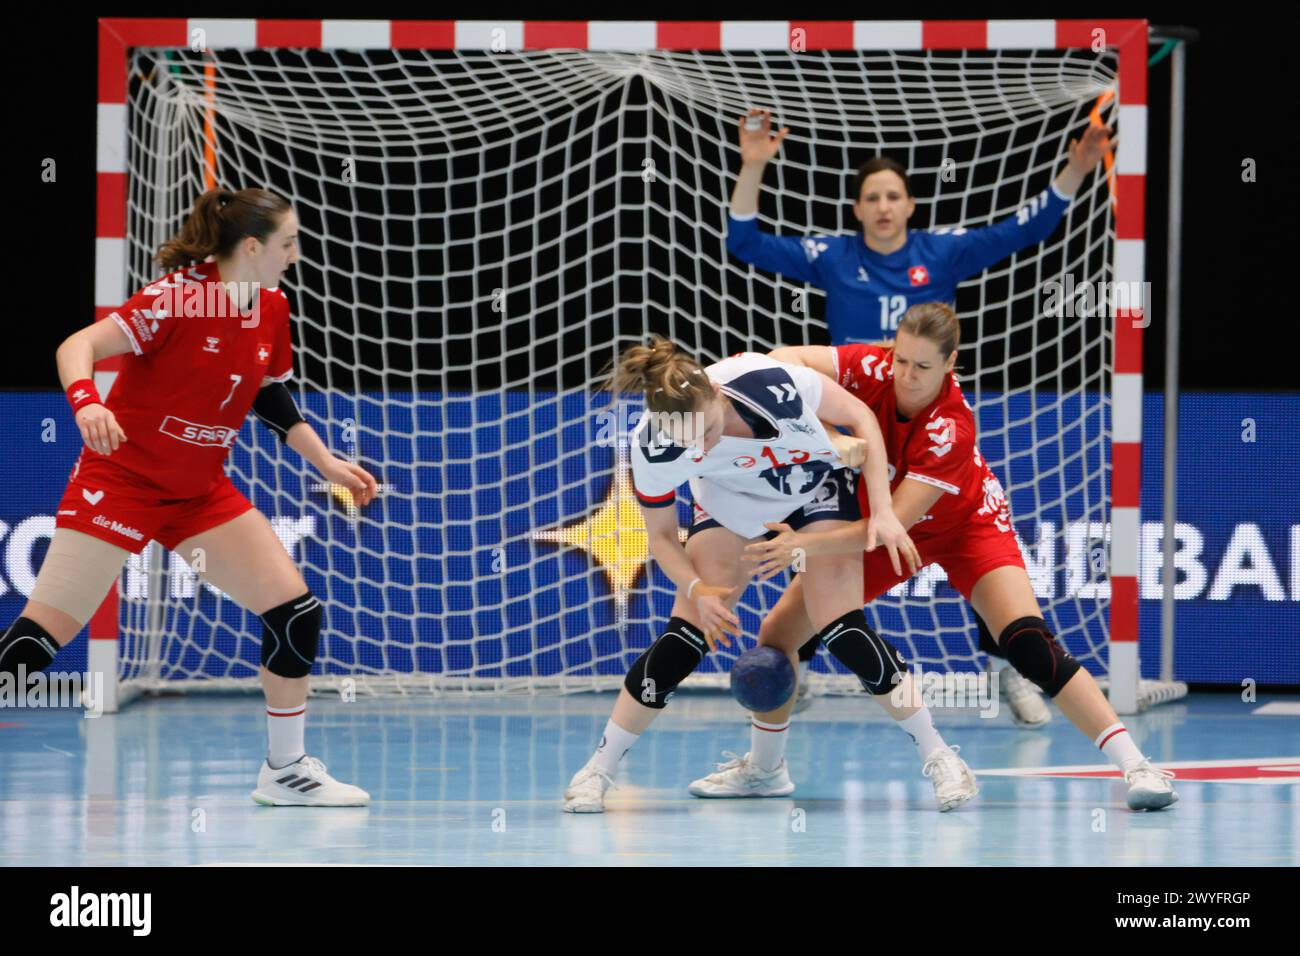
x=477, y=781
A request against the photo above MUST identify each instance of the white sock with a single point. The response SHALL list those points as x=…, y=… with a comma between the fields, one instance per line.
x=1117, y=744
x=804, y=667
x=767, y=743
x=920, y=727
x=614, y=743
x=998, y=664
x=284, y=732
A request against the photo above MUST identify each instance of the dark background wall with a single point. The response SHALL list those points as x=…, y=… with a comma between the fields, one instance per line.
x=1238, y=313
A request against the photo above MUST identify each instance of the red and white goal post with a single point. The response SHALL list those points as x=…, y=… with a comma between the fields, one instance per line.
x=526, y=196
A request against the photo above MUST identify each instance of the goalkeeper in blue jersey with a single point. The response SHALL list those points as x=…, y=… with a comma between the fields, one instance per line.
x=871, y=278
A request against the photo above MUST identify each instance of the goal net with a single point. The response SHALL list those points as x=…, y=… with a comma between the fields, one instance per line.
x=483, y=231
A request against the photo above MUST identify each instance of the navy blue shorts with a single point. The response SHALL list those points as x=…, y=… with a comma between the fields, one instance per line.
x=836, y=499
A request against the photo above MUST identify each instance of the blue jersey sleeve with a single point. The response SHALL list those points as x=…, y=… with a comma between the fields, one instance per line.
x=792, y=256
x=974, y=250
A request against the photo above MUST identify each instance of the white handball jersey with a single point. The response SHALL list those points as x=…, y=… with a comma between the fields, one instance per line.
x=744, y=482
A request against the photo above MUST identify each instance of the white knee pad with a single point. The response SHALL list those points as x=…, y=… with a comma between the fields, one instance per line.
x=77, y=572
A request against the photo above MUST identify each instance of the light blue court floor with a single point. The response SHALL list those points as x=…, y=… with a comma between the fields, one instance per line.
x=457, y=781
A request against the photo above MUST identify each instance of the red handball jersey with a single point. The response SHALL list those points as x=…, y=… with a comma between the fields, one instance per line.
x=184, y=391
x=936, y=446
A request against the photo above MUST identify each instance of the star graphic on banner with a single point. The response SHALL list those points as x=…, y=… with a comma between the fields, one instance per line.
x=614, y=534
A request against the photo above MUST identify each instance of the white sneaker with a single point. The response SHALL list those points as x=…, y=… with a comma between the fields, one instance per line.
x=305, y=784
x=1028, y=709
x=741, y=777
x=953, y=781
x=803, y=698
x=586, y=791
x=1149, y=787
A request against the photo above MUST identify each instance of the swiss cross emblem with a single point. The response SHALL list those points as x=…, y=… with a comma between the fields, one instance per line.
x=919, y=275
x=263, y=353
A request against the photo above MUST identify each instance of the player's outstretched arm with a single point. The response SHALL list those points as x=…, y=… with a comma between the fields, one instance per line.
x=757, y=147
x=819, y=358
x=913, y=500
x=795, y=257
x=1083, y=155
x=839, y=407
x=974, y=250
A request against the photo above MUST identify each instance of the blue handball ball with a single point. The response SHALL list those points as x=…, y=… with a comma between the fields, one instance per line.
x=762, y=679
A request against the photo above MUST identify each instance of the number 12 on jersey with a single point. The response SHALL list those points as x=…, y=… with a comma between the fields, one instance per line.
x=892, y=308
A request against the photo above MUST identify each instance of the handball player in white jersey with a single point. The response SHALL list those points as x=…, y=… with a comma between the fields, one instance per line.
x=747, y=433
x=203, y=345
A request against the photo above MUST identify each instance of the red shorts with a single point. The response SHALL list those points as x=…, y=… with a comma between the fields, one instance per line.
x=966, y=553
x=99, y=504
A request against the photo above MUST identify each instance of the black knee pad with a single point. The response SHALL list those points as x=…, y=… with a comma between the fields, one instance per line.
x=1033, y=650
x=877, y=663
x=28, y=645
x=988, y=644
x=666, y=663
x=809, y=649
x=291, y=636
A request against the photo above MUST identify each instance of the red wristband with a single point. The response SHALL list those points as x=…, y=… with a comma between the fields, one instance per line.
x=82, y=393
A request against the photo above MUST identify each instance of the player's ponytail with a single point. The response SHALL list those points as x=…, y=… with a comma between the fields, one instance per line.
x=934, y=321
x=219, y=220
x=670, y=380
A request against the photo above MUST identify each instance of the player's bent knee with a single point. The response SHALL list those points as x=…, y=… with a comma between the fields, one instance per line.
x=1034, y=651
x=878, y=665
x=666, y=663
x=291, y=636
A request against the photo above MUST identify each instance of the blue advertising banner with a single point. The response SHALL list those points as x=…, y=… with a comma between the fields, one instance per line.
x=466, y=564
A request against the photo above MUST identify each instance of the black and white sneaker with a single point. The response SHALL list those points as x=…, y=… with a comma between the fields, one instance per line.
x=305, y=784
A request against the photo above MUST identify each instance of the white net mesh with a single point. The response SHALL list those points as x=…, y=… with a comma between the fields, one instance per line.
x=483, y=231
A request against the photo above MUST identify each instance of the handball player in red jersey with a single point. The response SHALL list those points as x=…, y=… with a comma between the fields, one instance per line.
x=203, y=345
x=955, y=510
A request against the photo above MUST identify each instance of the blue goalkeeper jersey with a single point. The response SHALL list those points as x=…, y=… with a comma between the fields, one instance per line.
x=866, y=292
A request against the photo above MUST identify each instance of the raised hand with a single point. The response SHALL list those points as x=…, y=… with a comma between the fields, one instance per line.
x=758, y=145
x=1087, y=152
